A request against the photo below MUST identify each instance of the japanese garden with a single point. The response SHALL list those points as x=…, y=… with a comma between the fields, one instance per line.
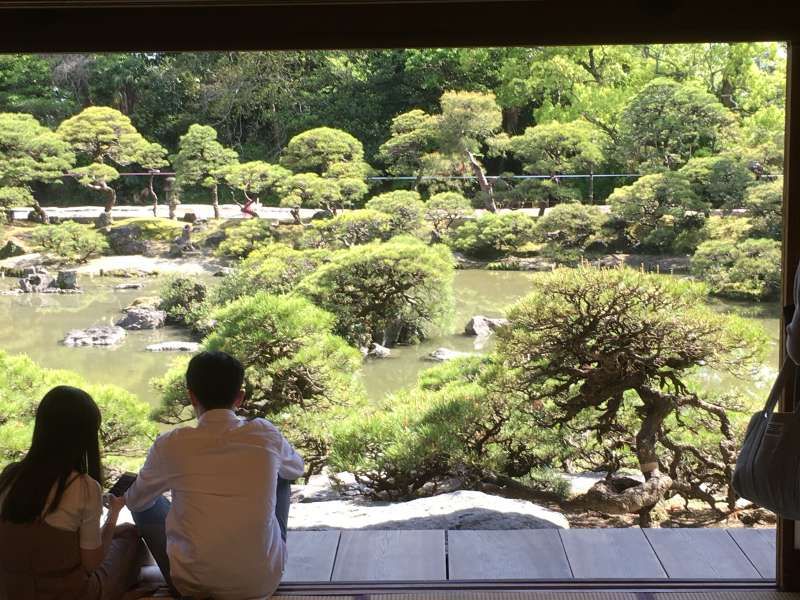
x=547, y=274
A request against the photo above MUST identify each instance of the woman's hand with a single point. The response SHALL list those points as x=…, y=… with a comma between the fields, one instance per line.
x=116, y=503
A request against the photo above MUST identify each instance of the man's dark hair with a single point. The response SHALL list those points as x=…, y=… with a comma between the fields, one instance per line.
x=214, y=378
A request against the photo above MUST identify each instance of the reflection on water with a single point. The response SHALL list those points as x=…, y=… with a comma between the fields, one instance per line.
x=35, y=325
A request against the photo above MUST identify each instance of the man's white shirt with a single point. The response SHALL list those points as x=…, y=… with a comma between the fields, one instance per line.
x=223, y=538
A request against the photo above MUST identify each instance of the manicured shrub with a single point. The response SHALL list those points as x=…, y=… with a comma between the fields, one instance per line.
x=660, y=213
x=70, y=241
x=180, y=298
x=749, y=269
x=405, y=210
x=244, y=237
x=764, y=203
x=493, y=235
x=444, y=210
x=350, y=229
x=567, y=229
x=391, y=292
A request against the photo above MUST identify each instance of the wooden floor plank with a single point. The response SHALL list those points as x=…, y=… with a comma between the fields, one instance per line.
x=700, y=554
x=518, y=554
x=311, y=555
x=759, y=546
x=610, y=554
x=371, y=555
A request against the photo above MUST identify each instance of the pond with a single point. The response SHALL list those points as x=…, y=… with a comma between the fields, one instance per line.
x=36, y=324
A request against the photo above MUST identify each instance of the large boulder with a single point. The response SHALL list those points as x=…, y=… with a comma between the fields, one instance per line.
x=445, y=354
x=101, y=335
x=142, y=318
x=127, y=239
x=483, y=326
x=67, y=280
x=10, y=249
x=35, y=280
x=456, y=510
x=173, y=347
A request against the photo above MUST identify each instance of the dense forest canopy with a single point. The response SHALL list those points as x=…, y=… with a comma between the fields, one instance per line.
x=258, y=101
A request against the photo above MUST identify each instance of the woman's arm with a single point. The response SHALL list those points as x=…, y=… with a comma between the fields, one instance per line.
x=91, y=559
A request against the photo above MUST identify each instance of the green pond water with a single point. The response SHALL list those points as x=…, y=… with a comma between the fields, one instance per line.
x=36, y=324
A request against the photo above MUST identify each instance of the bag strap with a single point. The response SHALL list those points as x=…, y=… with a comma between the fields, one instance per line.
x=777, y=388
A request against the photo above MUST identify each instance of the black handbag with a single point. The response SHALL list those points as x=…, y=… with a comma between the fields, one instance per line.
x=768, y=467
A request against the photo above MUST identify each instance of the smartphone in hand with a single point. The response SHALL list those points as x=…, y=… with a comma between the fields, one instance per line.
x=122, y=484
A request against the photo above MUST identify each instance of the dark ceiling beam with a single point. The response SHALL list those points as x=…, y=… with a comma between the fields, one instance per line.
x=59, y=26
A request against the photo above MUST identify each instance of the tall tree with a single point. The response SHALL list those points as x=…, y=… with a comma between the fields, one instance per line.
x=29, y=152
x=667, y=123
x=556, y=149
x=152, y=157
x=101, y=135
x=201, y=159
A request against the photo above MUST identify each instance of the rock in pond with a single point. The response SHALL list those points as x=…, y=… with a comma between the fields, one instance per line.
x=101, y=335
x=128, y=286
x=456, y=510
x=444, y=354
x=142, y=318
x=483, y=326
x=173, y=347
x=67, y=280
x=378, y=351
x=35, y=279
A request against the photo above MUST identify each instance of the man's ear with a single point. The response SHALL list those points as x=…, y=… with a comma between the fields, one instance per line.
x=237, y=402
x=193, y=399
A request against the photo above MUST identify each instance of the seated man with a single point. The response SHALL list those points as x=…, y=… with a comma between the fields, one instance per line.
x=224, y=536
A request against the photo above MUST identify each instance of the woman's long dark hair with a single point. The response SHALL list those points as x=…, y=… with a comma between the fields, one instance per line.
x=65, y=439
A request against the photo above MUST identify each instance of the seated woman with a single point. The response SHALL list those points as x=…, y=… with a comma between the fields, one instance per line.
x=51, y=543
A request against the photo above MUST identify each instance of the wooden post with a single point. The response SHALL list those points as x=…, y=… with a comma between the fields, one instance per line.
x=591, y=186
x=788, y=567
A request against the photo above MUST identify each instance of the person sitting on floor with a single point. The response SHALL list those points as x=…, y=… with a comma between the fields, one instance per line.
x=51, y=544
x=224, y=535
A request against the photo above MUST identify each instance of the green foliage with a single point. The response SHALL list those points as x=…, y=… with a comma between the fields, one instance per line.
x=152, y=228
x=180, y=298
x=201, y=159
x=720, y=181
x=413, y=135
x=29, y=153
x=309, y=190
x=660, y=212
x=244, y=237
x=297, y=373
x=445, y=209
x=255, y=177
x=272, y=268
x=569, y=228
x=391, y=292
x=638, y=338
x=764, y=204
x=101, y=133
x=748, y=269
x=556, y=149
x=405, y=209
x=492, y=234
x=70, y=241
x=317, y=150
x=350, y=229
x=667, y=123
x=125, y=430
x=762, y=138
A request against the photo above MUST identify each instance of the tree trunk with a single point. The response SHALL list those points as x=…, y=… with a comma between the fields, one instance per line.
x=37, y=208
x=110, y=192
x=153, y=194
x=486, y=187
x=295, y=212
x=215, y=200
x=246, y=209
